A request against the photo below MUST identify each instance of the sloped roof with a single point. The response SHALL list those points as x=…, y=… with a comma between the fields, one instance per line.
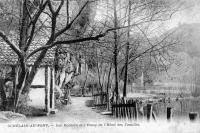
x=9, y=57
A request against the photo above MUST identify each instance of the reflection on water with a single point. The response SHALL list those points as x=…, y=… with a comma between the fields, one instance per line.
x=181, y=108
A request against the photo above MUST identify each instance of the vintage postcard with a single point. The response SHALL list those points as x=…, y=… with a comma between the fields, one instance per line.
x=105, y=66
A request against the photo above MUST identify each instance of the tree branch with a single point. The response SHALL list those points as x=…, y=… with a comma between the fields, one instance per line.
x=65, y=42
x=12, y=46
x=60, y=6
x=50, y=7
x=67, y=8
x=33, y=22
x=70, y=24
x=93, y=38
x=29, y=13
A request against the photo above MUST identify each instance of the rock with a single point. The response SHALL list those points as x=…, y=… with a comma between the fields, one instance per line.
x=8, y=115
x=3, y=117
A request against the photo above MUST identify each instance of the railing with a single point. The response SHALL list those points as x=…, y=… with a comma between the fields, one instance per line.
x=100, y=100
x=133, y=109
x=125, y=109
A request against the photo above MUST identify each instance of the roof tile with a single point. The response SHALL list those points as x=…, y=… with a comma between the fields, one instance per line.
x=9, y=57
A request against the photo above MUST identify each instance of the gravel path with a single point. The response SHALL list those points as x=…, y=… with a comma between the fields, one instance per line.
x=75, y=112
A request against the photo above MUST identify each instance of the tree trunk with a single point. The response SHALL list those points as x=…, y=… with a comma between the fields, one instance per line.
x=104, y=75
x=108, y=86
x=3, y=95
x=79, y=65
x=99, y=76
x=19, y=88
x=24, y=25
x=84, y=85
x=115, y=51
x=22, y=79
x=127, y=53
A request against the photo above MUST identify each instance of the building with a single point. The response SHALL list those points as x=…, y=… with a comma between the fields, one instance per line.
x=43, y=80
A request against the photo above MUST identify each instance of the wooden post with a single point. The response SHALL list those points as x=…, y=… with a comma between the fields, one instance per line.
x=124, y=107
x=169, y=113
x=112, y=109
x=129, y=108
x=15, y=83
x=193, y=116
x=52, y=89
x=149, y=111
x=92, y=90
x=47, y=89
x=132, y=109
x=94, y=100
x=52, y=86
x=117, y=110
x=136, y=113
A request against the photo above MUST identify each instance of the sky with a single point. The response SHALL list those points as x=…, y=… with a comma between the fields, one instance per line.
x=189, y=14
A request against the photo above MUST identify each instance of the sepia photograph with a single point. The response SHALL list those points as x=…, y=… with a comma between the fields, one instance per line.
x=99, y=66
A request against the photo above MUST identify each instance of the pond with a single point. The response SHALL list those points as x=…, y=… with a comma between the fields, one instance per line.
x=180, y=108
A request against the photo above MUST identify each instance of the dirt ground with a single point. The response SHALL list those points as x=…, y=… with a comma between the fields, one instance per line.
x=75, y=112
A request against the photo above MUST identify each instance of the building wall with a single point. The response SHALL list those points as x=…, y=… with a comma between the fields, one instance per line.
x=37, y=95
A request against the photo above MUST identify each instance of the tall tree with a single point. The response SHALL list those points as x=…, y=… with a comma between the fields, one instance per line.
x=37, y=18
x=115, y=53
x=146, y=15
x=127, y=50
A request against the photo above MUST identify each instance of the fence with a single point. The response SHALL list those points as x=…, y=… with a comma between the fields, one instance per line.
x=133, y=109
x=125, y=109
x=180, y=107
x=100, y=100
